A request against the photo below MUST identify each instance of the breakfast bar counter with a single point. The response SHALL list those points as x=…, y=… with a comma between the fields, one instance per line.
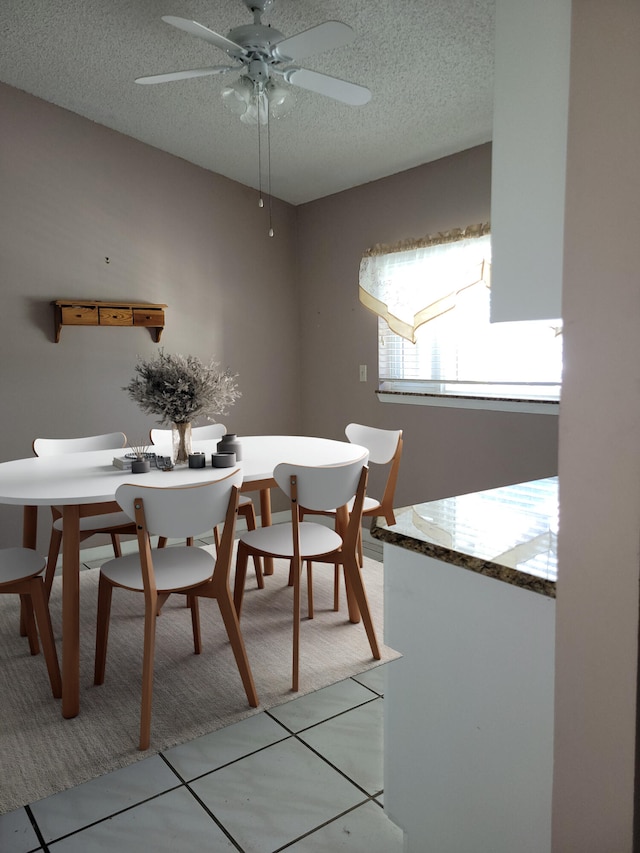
x=509, y=533
x=470, y=604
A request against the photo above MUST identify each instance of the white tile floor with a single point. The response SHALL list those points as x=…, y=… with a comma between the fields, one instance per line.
x=305, y=777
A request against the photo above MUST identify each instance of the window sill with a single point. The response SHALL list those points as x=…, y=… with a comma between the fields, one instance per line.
x=492, y=404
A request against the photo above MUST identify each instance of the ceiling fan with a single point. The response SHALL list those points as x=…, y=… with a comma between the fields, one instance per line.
x=265, y=57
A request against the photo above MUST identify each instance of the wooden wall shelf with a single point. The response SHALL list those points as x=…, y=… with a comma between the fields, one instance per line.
x=87, y=312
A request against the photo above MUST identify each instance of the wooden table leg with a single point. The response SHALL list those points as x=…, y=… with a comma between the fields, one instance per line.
x=265, y=520
x=70, y=611
x=29, y=537
x=29, y=527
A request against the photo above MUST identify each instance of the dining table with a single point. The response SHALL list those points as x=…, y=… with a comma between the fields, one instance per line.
x=76, y=480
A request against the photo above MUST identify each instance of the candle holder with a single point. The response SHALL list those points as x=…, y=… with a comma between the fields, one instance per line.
x=223, y=459
x=197, y=460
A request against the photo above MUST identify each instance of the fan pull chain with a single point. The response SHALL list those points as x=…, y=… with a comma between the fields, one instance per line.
x=260, y=201
x=269, y=171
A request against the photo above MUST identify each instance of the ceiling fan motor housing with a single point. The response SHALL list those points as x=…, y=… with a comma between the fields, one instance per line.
x=258, y=71
x=256, y=38
x=258, y=5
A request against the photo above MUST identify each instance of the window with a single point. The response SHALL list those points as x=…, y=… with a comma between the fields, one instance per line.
x=435, y=337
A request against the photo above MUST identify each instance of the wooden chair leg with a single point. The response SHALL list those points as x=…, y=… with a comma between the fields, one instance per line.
x=195, y=623
x=257, y=566
x=162, y=598
x=352, y=603
x=43, y=618
x=147, y=672
x=296, y=570
x=241, y=573
x=353, y=579
x=115, y=541
x=52, y=558
x=309, y=589
x=336, y=587
x=249, y=514
x=22, y=627
x=26, y=608
x=231, y=623
x=105, y=590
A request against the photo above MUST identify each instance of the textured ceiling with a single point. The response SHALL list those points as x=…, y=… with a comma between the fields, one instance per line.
x=428, y=63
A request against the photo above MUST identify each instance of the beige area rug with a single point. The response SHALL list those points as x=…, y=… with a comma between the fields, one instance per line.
x=42, y=753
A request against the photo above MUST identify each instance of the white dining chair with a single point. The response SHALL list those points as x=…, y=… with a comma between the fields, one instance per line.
x=97, y=518
x=319, y=488
x=246, y=509
x=385, y=449
x=181, y=512
x=21, y=574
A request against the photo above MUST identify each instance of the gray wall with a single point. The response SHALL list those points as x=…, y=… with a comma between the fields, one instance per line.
x=282, y=312
x=73, y=193
x=447, y=451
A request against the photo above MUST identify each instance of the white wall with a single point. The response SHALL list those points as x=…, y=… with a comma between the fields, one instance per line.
x=468, y=709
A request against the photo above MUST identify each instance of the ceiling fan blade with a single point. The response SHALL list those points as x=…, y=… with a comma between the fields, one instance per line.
x=199, y=30
x=184, y=75
x=323, y=37
x=332, y=87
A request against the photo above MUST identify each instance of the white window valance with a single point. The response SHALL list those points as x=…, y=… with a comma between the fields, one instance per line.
x=412, y=282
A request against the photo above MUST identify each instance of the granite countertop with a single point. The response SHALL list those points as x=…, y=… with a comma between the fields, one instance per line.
x=508, y=533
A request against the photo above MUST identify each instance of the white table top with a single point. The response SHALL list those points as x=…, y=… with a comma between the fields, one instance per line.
x=79, y=478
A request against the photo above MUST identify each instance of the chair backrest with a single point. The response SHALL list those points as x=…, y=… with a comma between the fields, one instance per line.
x=330, y=487
x=385, y=448
x=181, y=512
x=60, y=446
x=382, y=444
x=321, y=487
x=201, y=433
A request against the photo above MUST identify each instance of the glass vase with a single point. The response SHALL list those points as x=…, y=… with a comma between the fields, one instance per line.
x=181, y=436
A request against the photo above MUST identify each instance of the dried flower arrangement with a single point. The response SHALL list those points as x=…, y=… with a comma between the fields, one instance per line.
x=181, y=388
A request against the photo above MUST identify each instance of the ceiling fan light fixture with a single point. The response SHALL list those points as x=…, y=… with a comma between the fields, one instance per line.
x=251, y=101
x=281, y=100
x=256, y=112
x=238, y=95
